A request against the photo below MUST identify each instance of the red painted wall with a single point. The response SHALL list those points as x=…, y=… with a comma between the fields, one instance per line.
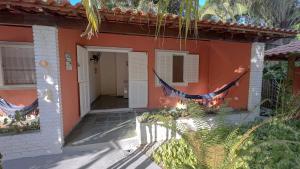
x=17, y=34
x=224, y=59
x=67, y=40
x=297, y=81
x=156, y=98
x=218, y=60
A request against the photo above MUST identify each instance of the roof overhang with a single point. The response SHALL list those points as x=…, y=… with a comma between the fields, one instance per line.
x=283, y=52
x=282, y=57
x=37, y=12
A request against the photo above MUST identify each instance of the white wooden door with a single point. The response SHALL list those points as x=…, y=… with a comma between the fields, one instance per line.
x=83, y=80
x=138, y=79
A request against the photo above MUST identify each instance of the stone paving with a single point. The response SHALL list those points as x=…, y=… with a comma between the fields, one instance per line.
x=104, y=127
x=106, y=157
x=96, y=143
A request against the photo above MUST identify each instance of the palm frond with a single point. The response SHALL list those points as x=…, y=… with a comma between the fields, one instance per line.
x=93, y=17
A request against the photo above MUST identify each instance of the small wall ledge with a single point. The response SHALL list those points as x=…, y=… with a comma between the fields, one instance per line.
x=156, y=132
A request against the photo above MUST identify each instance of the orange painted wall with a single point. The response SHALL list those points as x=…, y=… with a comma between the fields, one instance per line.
x=69, y=87
x=297, y=81
x=17, y=34
x=156, y=98
x=212, y=73
x=224, y=59
x=218, y=59
x=70, y=96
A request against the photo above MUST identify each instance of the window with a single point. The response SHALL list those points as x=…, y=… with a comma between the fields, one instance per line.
x=17, y=65
x=178, y=69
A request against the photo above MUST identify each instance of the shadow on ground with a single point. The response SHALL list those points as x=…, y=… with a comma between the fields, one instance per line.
x=101, y=128
x=109, y=157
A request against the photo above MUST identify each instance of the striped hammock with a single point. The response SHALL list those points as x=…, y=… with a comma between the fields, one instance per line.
x=172, y=92
x=10, y=109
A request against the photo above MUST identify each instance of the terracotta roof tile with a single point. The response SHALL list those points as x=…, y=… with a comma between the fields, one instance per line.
x=293, y=47
x=116, y=14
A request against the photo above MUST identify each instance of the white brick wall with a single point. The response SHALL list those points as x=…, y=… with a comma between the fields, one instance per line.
x=49, y=139
x=256, y=73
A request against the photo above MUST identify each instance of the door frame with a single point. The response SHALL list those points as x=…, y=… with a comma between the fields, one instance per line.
x=79, y=91
x=109, y=49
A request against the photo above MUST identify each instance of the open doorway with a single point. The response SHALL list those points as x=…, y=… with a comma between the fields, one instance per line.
x=108, y=79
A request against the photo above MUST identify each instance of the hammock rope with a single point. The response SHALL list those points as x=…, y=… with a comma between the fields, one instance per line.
x=172, y=92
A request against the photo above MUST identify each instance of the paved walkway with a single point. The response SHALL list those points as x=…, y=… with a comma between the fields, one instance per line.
x=105, y=157
x=100, y=141
x=103, y=127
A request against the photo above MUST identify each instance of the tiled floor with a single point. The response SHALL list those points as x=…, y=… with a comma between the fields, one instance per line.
x=109, y=102
x=106, y=157
x=104, y=127
x=94, y=144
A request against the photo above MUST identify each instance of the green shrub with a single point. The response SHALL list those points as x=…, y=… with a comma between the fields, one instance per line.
x=176, y=154
x=275, y=146
x=273, y=143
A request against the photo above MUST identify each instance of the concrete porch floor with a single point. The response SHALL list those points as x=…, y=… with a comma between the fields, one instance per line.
x=107, y=156
x=103, y=127
x=100, y=141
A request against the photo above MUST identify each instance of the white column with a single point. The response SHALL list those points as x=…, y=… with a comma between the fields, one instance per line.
x=256, y=74
x=48, y=86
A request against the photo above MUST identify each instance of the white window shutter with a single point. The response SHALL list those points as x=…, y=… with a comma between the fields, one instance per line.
x=163, y=66
x=191, y=68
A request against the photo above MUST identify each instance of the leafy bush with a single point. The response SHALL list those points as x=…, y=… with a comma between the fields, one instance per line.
x=176, y=154
x=275, y=145
x=19, y=124
x=271, y=143
x=193, y=109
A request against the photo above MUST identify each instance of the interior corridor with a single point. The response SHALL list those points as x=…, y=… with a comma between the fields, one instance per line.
x=109, y=102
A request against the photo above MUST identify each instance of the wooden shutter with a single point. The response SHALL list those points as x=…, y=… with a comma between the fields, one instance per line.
x=191, y=68
x=164, y=66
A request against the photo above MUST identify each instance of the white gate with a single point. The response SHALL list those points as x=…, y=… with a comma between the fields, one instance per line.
x=83, y=79
x=138, y=79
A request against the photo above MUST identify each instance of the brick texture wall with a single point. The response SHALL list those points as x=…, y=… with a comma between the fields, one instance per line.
x=256, y=73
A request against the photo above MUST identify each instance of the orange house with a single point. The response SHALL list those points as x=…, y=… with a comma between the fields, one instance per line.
x=44, y=56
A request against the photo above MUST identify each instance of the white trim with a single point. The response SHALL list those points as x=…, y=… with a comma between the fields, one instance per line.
x=172, y=51
x=16, y=44
x=179, y=84
x=17, y=87
x=110, y=110
x=112, y=50
x=108, y=49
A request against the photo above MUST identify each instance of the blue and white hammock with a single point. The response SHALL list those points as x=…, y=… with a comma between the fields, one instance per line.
x=10, y=109
x=172, y=92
